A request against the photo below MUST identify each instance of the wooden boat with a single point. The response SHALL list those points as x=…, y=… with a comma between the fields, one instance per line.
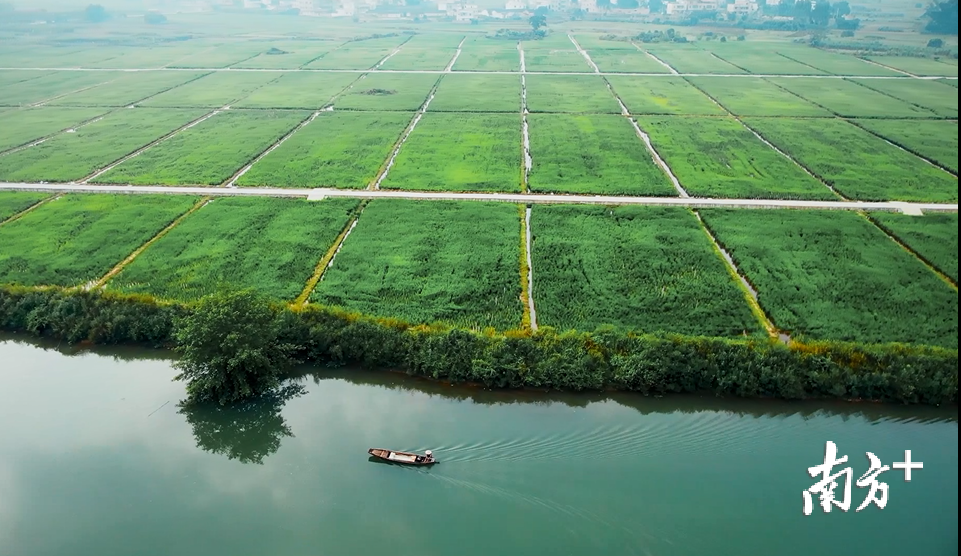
x=406, y=458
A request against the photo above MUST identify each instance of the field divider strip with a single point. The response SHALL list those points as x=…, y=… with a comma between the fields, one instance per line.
x=45, y=200
x=232, y=181
x=893, y=236
x=45, y=138
x=450, y=66
x=520, y=50
x=890, y=68
x=97, y=284
x=785, y=56
x=527, y=281
x=328, y=259
x=659, y=61
x=901, y=147
x=747, y=71
x=391, y=55
x=382, y=174
x=319, y=56
x=584, y=53
x=231, y=65
x=525, y=139
x=889, y=95
x=80, y=90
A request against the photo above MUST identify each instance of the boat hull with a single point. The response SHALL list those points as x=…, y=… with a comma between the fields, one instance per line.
x=401, y=458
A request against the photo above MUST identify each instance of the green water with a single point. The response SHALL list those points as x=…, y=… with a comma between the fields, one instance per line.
x=96, y=459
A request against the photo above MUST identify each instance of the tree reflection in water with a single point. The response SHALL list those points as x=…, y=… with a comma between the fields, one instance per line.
x=247, y=432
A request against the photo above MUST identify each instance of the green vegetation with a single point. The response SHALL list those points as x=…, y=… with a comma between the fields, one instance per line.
x=473, y=93
x=338, y=149
x=936, y=140
x=51, y=86
x=295, y=54
x=685, y=59
x=838, y=64
x=570, y=93
x=420, y=59
x=387, y=91
x=645, y=269
x=22, y=126
x=430, y=261
x=826, y=274
x=77, y=238
x=662, y=95
x=9, y=77
x=754, y=96
x=73, y=156
x=478, y=55
x=857, y=164
x=625, y=61
x=762, y=62
x=934, y=237
x=544, y=59
x=592, y=154
x=208, y=153
x=350, y=57
x=12, y=202
x=127, y=89
x=718, y=157
x=299, y=90
x=214, y=90
x=849, y=99
x=460, y=152
x=271, y=245
x=222, y=56
x=932, y=95
x=917, y=66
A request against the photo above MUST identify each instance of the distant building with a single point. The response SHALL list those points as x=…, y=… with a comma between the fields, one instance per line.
x=516, y=5
x=685, y=7
x=742, y=7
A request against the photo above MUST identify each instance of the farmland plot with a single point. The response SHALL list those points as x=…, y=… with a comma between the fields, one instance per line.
x=214, y=90
x=625, y=61
x=763, y=61
x=592, y=154
x=934, y=237
x=387, y=91
x=570, y=93
x=595, y=42
x=430, y=261
x=685, y=59
x=833, y=275
x=849, y=99
x=22, y=126
x=932, y=95
x=645, y=269
x=78, y=238
x=477, y=55
x=51, y=86
x=351, y=58
x=208, y=153
x=221, y=56
x=754, y=96
x=299, y=90
x=662, y=95
x=420, y=59
x=127, y=89
x=476, y=93
x=917, y=66
x=12, y=202
x=859, y=165
x=436, y=40
x=838, y=64
x=339, y=149
x=9, y=77
x=936, y=140
x=718, y=157
x=72, y=156
x=293, y=55
x=270, y=245
x=460, y=152
x=562, y=59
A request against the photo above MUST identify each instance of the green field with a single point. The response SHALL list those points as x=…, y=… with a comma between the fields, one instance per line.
x=12, y=202
x=387, y=91
x=437, y=40
x=127, y=89
x=271, y=245
x=214, y=90
x=754, y=96
x=686, y=59
x=838, y=64
x=460, y=152
x=595, y=42
x=850, y=99
x=25, y=125
x=339, y=149
x=78, y=238
x=295, y=54
x=430, y=261
x=472, y=93
x=592, y=154
x=352, y=58
x=72, y=156
x=932, y=95
x=857, y=164
x=917, y=66
x=477, y=55
x=662, y=95
x=762, y=61
x=563, y=59
x=154, y=56
x=936, y=140
x=933, y=236
x=833, y=275
x=9, y=77
x=570, y=93
x=645, y=269
x=225, y=55
x=420, y=59
x=51, y=86
x=208, y=153
x=299, y=90
x=718, y=157
x=625, y=61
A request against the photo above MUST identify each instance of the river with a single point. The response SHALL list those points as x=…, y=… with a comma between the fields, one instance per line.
x=97, y=459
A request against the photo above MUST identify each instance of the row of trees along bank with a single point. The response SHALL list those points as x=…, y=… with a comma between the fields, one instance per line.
x=234, y=345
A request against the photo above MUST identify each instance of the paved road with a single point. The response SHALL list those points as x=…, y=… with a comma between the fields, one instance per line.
x=520, y=198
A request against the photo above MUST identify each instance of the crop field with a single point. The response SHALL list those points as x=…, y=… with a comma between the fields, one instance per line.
x=271, y=245
x=222, y=56
x=950, y=82
x=420, y=59
x=763, y=62
x=303, y=90
x=718, y=157
x=155, y=56
x=595, y=153
x=933, y=236
x=625, y=61
x=478, y=55
x=917, y=66
x=833, y=275
x=22, y=126
x=662, y=95
x=12, y=202
x=473, y=93
x=78, y=238
x=127, y=89
x=351, y=57
x=838, y=64
x=430, y=261
x=850, y=99
x=460, y=152
x=72, y=156
x=51, y=86
x=749, y=96
x=570, y=93
x=857, y=164
x=936, y=140
x=208, y=153
x=338, y=149
x=9, y=77
x=214, y=90
x=688, y=60
x=438, y=40
x=595, y=42
x=565, y=58
x=295, y=54
x=645, y=269
x=932, y=95
x=387, y=91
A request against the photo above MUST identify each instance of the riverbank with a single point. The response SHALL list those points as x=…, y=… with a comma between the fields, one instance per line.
x=546, y=359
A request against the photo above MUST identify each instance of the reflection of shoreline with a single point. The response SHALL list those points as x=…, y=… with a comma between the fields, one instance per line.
x=685, y=403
